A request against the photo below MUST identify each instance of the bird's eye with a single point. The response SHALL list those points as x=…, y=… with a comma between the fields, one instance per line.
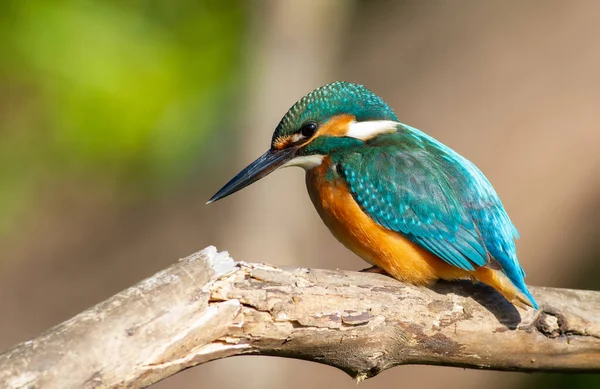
x=308, y=129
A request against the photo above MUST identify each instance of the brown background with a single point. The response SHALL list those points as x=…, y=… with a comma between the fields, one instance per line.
x=514, y=86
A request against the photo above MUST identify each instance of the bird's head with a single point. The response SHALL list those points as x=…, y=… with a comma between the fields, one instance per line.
x=333, y=117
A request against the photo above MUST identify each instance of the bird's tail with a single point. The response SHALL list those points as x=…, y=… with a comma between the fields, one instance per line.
x=519, y=295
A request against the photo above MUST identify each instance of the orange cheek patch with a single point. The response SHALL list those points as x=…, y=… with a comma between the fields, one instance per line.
x=336, y=126
x=282, y=142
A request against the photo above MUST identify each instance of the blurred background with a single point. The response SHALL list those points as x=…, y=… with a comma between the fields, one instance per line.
x=119, y=119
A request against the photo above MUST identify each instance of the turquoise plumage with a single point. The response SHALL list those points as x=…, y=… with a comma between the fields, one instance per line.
x=410, y=183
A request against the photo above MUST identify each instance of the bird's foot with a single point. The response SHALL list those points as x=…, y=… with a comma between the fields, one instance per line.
x=374, y=269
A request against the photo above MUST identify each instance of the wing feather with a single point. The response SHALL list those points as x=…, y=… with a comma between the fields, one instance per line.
x=410, y=183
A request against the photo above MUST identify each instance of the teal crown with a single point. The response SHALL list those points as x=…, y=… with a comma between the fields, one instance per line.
x=337, y=98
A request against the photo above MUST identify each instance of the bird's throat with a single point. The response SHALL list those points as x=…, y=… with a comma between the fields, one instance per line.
x=306, y=162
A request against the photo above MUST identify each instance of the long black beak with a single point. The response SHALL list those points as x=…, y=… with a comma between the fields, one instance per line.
x=263, y=166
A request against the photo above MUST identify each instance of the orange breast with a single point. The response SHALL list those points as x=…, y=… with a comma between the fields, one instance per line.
x=391, y=251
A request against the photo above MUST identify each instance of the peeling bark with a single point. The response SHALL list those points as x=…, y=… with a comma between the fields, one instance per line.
x=207, y=307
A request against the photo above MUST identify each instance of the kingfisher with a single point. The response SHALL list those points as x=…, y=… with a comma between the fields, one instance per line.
x=401, y=200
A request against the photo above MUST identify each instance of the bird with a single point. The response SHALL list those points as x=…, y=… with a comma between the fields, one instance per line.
x=399, y=199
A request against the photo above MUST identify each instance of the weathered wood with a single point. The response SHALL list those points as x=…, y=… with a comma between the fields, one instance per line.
x=207, y=307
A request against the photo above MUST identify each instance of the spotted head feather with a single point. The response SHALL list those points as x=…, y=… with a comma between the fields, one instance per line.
x=333, y=99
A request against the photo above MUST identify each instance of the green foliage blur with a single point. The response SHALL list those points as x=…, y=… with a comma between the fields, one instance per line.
x=124, y=91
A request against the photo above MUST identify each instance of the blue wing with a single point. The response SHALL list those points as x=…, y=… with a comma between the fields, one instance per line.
x=410, y=183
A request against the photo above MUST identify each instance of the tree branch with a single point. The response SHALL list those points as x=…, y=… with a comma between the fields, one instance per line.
x=207, y=307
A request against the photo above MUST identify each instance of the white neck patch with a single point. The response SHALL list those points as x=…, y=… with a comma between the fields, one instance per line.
x=369, y=129
x=306, y=162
